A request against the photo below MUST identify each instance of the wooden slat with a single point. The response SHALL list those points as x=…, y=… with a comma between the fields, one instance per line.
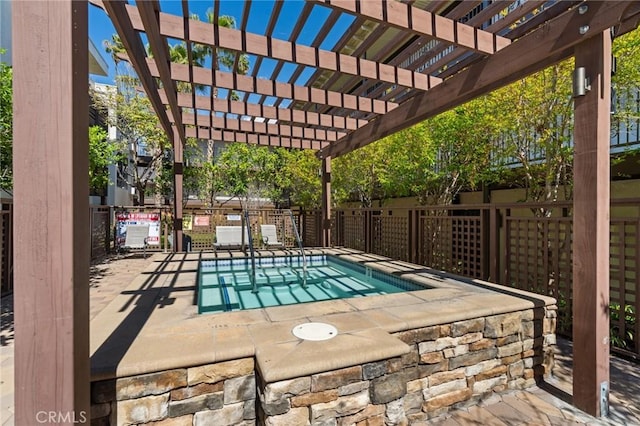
x=295, y=32
x=544, y=46
x=251, y=84
x=423, y=23
x=136, y=53
x=149, y=10
x=264, y=111
x=252, y=126
x=231, y=39
x=253, y=138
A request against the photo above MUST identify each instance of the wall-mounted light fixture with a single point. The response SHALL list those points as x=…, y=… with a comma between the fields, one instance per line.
x=581, y=83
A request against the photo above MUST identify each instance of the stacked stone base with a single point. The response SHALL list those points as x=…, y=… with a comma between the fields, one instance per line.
x=448, y=366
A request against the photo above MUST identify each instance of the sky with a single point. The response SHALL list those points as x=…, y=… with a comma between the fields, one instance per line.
x=101, y=29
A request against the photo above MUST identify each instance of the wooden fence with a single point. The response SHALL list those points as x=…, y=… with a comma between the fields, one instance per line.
x=503, y=243
x=517, y=245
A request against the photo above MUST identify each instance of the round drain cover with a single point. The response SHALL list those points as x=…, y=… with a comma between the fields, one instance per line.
x=315, y=331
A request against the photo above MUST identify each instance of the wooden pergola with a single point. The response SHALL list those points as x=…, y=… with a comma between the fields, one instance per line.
x=397, y=64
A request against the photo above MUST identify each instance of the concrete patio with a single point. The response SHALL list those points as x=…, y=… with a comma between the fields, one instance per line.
x=545, y=404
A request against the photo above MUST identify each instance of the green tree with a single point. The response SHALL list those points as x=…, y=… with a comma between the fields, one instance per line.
x=246, y=172
x=301, y=177
x=6, y=126
x=357, y=175
x=102, y=153
x=626, y=81
x=462, y=140
x=139, y=135
x=536, y=124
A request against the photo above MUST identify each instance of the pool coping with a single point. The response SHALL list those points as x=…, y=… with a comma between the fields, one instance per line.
x=154, y=326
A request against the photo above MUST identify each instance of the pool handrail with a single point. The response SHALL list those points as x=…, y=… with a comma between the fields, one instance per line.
x=304, y=257
x=254, y=282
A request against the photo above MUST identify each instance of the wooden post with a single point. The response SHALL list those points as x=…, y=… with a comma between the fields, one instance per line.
x=51, y=190
x=178, y=169
x=591, y=229
x=493, y=229
x=326, y=202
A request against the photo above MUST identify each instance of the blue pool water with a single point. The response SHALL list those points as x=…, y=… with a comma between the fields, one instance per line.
x=225, y=284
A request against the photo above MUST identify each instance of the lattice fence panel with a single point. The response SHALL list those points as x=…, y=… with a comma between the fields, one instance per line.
x=467, y=255
x=311, y=229
x=354, y=230
x=390, y=235
x=625, y=283
x=538, y=259
x=453, y=244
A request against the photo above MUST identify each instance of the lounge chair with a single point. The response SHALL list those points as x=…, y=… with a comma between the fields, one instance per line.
x=270, y=236
x=230, y=237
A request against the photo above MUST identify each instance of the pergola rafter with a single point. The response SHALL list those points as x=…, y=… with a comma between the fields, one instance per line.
x=544, y=47
x=245, y=83
x=247, y=109
x=239, y=41
x=149, y=10
x=252, y=138
x=251, y=126
x=423, y=23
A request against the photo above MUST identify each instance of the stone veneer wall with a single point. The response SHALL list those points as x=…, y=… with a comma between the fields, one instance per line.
x=215, y=394
x=449, y=366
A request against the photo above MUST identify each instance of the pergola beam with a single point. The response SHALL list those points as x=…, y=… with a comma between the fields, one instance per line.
x=240, y=41
x=266, y=128
x=253, y=138
x=149, y=10
x=136, y=53
x=264, y=111
x=545, y=46
x=422, y=23
x=245, y=83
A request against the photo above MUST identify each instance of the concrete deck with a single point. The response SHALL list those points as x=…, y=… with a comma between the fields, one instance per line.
x=124, y=291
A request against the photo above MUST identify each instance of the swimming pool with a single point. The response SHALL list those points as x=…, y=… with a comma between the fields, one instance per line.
x=225, y=284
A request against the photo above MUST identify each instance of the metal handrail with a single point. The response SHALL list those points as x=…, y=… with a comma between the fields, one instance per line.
x=304, y=257
x=252, y=277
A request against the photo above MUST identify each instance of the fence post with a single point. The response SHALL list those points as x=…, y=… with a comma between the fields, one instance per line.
x=413, y=236
x=505, y=248
x=485, y=243
x=494, y=244
x=368, y=231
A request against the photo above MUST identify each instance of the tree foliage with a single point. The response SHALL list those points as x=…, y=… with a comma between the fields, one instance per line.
x=536, y=126
x=301, y=181
x=626, y=80
x=102, y=153
x=6, y=126
x=139, y=135
x=357, y=175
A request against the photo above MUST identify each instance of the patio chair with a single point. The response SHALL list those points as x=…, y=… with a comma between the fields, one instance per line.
x=230, y=237
x=270, y=236
x=137, y=237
